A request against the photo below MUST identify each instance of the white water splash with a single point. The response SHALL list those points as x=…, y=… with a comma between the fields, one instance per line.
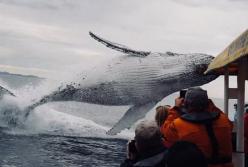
x=56, y=119
x=49, y=121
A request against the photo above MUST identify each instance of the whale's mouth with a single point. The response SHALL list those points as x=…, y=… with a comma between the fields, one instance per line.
x=201, y=69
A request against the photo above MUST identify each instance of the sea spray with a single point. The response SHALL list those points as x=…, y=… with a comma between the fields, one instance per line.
x=11, y=114
x=64, y=118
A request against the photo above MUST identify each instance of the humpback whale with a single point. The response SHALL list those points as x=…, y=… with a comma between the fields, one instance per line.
x=139, y=79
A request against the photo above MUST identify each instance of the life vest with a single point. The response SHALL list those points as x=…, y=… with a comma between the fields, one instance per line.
x=210, y=131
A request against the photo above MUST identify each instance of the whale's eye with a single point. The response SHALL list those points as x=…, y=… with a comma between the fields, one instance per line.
x=200, y=69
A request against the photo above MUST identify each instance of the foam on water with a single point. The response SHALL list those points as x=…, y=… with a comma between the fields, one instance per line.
x=48, y=119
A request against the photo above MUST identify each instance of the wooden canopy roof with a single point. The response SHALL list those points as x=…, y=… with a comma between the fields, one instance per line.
x=228, y=58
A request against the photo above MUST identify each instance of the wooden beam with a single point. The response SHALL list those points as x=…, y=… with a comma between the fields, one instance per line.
x=246, y=67
x=240, y=111
x=226, y=91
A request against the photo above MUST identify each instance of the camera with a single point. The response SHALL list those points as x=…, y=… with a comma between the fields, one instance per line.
x=182, y=93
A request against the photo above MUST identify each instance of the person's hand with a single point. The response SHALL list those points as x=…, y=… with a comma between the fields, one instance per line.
x=179, y=102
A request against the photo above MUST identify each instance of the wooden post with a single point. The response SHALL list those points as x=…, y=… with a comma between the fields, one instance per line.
x=226, y=88
x=240, y=112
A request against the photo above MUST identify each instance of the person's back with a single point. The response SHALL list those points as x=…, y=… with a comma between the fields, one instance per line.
x=197, y=133
x=210, y=131
x=185, y=154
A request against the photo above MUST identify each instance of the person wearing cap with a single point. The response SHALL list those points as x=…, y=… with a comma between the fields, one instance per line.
x=204, y=125
x=147, y=148
x=178, y=109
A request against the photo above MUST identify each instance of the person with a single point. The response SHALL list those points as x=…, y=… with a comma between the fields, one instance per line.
x=161, y=114
x=174, y=112
x=179, y=109
x=185, y=154
x=246, y=135
x=146, y=149
x=204, y=125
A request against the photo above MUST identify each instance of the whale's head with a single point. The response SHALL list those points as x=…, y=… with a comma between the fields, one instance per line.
x=198, y=64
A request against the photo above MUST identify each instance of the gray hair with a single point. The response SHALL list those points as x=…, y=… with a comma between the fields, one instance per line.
x=147, y=135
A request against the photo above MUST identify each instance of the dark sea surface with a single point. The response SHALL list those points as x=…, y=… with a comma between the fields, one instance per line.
x=47, y=150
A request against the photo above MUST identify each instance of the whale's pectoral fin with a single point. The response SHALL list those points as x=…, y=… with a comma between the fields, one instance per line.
x=119, y=47
x=130, y=117
x=4, y=91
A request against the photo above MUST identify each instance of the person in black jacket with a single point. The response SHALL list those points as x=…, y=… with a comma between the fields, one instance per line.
x=185, y=154
x=147, y=148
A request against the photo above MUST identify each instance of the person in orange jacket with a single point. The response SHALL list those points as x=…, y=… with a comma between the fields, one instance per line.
x=172, y=113
x=178, y=110
x=204, y=125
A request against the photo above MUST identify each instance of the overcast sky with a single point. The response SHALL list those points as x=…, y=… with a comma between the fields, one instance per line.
x=42, y=37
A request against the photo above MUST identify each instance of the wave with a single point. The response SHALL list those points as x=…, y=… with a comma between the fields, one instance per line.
x=56, y=119
x=64, y=118
x=46, y=120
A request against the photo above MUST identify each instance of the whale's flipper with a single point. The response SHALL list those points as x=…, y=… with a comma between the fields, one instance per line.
x=4, y=91
x=119, y=47
x=130, y=117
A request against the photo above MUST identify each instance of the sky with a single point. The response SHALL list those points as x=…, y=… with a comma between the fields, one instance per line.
x=46, y=37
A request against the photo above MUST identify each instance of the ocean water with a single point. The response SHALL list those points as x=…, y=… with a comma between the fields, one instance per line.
x=64, y=151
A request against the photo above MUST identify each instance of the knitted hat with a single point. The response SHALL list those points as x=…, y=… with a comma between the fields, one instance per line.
x=196, y=97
